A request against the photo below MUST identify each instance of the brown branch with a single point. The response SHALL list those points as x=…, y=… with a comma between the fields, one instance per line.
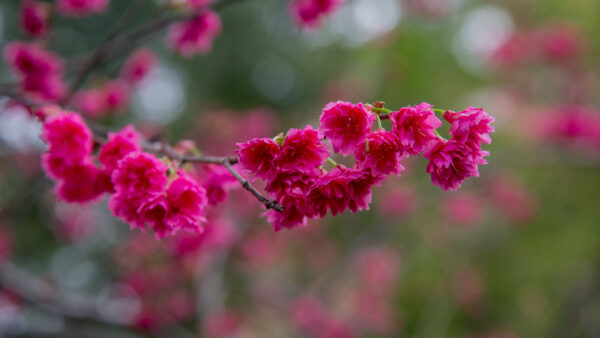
x=226, y=161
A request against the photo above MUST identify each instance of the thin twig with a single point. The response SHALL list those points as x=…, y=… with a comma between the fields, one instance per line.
x=102, y=51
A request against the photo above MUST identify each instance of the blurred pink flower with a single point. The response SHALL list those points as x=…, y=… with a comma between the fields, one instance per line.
x=187, y=201
x=138, y=65
x=225, y=323
x=217, y=181
x=81, y=8
x=119, y=145
x=39, y=71
x=309, y=13
x=34, y=17
x=463, y=209
x=513, y=199
x=398, y=201
x=195, y=35
x=68, y=137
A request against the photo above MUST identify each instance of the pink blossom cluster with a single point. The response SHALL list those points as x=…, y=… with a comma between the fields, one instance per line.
x=142, y=192
x=292, y=165
x=113, y=95
x=81, y=8
x=69, y=159
x=35, y=17
x=575, y=125
x=39, y=72
x=558, y=43
x=309, y=13
x=196, y=34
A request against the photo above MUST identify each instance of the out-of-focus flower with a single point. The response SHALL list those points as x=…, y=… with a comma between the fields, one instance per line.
x=195, y=35
x=463, y=209
x=39, y=71
x=309, y=13
x=138, y=65
x=513, y=199
x=81, y=8
x=34, y=17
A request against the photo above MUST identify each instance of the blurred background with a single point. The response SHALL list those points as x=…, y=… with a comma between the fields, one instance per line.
x=514, y=253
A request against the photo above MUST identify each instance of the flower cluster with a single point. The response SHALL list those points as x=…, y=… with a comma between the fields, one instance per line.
x=148, y=192
x=557, y=43
x=308, y=13
x=452, y=161
x=292, y=165
x=142, y=191
x=39, y=71
x=69, y=159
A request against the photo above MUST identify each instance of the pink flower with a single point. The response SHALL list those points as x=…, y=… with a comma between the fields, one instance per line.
x=34, y=17
x=54, y=166
x=217, y=181
x=451, y=162
x=309, y=313
x=415, y=127
x=91, y=102
x=517, y=49
x=79, y=184
x=39, y=71
x=138, y=65
x=463, y=209
x=308, y=13
x=378, y=268
x=112, y=96
x=223, y=323
x=154, y=211
x=380, y=153
x=126, y=208
x=513, y=199
x=339, y=189
x=560, y=43
x=346, y=125
x=302, y=151
x=81, y=7
x=471, y=125
x=258, y=156
x=194, y=35
x=295, y=210
x=284, y=181
x=140, y=174
x=68, y=137
x=116, y=94
x=118, y=146
x=187, y=201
